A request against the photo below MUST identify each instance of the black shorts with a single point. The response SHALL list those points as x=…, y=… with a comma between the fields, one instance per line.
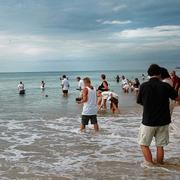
x=86, y=118
x=65, y=91
x=114, y=101
x=22, y=92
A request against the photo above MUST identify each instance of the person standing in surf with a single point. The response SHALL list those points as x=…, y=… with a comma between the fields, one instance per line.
x=65, y=86
x=154, y=96
x=21, y=88
x=89, y=101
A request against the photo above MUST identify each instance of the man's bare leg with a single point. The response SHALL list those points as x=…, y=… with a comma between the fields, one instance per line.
x=160, y=155
x=147, y=153
x=82, y=127
x=96, y=127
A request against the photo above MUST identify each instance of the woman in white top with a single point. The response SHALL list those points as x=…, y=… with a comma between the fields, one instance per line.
x=89, y=101
x=167, y=79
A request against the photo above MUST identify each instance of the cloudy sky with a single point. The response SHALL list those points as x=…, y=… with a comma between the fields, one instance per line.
x=57, y=35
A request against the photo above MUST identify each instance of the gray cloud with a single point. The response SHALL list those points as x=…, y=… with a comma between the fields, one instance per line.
x=95, y=31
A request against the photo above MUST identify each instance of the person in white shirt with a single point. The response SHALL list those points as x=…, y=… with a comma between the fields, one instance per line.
x=65, y=86
x=125, y=84
x=80, y=87
x=21, y=88
x=80, y=84
x=89, y=102
x=165, y=76
x=113, y=98
x=42, y=85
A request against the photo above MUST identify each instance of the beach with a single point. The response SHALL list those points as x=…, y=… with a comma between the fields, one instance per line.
x=40, y=136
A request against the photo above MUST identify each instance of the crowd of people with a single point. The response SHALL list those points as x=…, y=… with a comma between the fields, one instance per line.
x=157, y=96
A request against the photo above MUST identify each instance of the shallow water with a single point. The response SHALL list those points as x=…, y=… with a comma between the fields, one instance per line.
x=40, y=138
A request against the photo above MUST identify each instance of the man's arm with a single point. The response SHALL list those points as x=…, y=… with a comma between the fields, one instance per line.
x=178, y=98
x=139, y=97
x=85, y=96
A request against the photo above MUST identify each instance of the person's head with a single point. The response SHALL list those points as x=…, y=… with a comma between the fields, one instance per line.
x=42, y=82
x=136, y=80
x=103, y=76
x=173, y=73
x=20, y=82
x=78, y=78
x=164, y=73
x=154, y=70
x=87, y=81
x=123, y=77
x=64, y=76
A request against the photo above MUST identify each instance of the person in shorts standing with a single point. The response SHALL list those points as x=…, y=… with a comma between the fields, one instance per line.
x=89, y=101
x=154, y=96
x=65, y=86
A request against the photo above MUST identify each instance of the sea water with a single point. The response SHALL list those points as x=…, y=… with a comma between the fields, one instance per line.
x=40, y=136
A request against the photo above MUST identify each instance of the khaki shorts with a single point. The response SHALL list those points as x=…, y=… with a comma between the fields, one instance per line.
x=146, y=134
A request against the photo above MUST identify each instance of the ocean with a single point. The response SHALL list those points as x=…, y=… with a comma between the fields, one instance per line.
x=40, y=136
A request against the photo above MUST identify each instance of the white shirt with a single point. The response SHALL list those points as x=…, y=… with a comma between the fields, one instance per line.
x=109, y=94
x=81, y=84
x=90, y=107
x=169, y=81
x=21, y=87
x=124, y=81
x=65, y=84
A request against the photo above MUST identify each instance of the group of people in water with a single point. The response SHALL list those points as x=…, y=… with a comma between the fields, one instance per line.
x=156, y=95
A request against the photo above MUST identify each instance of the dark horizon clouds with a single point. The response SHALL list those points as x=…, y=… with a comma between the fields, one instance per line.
x=40, y=35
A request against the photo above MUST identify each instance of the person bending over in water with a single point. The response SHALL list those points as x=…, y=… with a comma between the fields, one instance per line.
x=103, y=87
x=65, y=86
x=113, y=98
x=154, y=96
x=21, y=88
x=89, y=101
x=125, y=85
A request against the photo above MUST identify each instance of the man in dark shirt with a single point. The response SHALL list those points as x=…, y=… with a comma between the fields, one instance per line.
x=154, y=96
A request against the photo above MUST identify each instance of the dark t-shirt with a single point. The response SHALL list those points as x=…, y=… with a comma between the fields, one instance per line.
x=102, y=87
x=154, y=96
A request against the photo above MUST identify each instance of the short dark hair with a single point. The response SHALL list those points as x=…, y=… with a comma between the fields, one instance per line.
x=154, y=70
x=64, y=76
x=20, y=82
x=103, y=76
x=78, y=78
x=87, y=80
x=164, y=73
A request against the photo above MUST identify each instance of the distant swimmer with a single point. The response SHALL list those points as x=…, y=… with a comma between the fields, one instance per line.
x=89, y=101
x=42, y=85
x=113, y=98
x=65, y=86
x=117, y=78
x=21, y=88
x=143, y=77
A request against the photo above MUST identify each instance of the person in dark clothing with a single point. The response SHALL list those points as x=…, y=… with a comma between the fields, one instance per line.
x=104, y=85
x=102, y=88
x=117, y=78
x=154, y=96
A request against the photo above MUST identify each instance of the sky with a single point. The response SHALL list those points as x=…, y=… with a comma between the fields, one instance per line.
x=83, y=35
